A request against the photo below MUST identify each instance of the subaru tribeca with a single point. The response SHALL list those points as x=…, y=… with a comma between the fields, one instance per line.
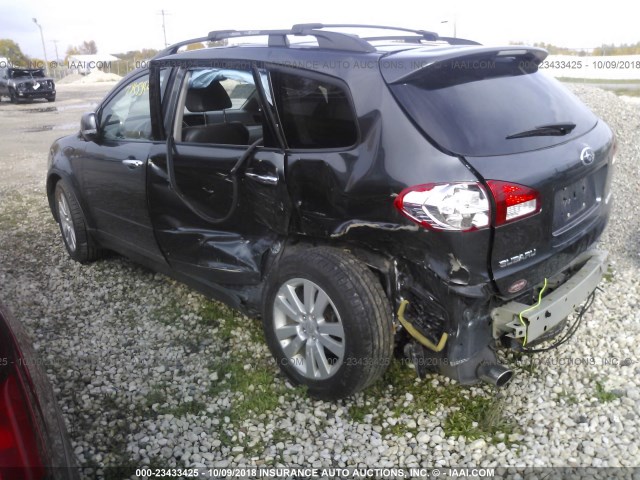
x=363, y=193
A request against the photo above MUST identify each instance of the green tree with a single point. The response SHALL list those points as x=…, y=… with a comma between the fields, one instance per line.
x=624, y=49
x=11, y=50
x=86, y=48
x=132, y=59
x=71, y=50
x=89, y=47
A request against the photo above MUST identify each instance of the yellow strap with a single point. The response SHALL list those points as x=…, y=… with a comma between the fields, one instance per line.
x=524, y=342
x=416, y=334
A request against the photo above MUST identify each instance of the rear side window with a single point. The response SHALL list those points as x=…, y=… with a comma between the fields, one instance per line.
x=219, y=106
x=469, y=106
x=315, y=112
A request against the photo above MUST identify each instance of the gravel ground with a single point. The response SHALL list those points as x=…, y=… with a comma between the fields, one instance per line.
x=149, y=372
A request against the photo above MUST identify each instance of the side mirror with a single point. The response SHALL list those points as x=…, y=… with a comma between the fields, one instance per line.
x=89, y=126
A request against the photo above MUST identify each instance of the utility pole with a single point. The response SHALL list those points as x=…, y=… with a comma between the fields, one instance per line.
x=44, y=49
x=164, y=30
x=55, y=42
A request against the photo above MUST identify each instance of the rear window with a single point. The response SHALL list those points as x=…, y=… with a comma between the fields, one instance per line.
x=469, y=106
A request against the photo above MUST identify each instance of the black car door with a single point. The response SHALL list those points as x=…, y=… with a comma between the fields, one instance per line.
x=219, y=219
x=114, y=171
x=4, y=78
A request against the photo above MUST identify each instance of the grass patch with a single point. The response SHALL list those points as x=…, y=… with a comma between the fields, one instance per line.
x=158, y=394
x=231, y=322
x=168, y=314
x=472, y=417
x=211, y=313
x=280, y=435
x=631, y=92
x=192, y=407
x=568, y=397
x=359, y=410
x=255, y=389
x=401, y=379
x=609, y=275
x=525, y=363
x=603, y=395
x=478, y=417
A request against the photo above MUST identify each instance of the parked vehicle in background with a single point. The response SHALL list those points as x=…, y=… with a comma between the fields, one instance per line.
x=396, y=190
x=26, y=84
x=33, y=438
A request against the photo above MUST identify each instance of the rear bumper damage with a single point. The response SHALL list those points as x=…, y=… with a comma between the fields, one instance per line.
x=517, y=320
x=464, y=347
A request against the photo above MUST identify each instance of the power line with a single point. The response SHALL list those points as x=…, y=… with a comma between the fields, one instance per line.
x=164, y=30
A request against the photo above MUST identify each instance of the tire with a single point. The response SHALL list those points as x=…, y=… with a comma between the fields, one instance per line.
x=80, y=246
x=51, y=99
x=345, y=325
x=12, y=96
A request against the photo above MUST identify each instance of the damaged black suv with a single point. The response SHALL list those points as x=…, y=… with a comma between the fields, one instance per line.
x=26, y=84
x=364, y=194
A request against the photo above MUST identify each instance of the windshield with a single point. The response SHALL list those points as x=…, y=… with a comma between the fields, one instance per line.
x=470, y=106
x=25, y=72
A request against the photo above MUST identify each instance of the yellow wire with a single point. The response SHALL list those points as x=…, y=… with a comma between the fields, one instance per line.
x=544, y=287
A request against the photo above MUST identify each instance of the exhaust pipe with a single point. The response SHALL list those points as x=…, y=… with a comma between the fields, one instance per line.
x=495, y=374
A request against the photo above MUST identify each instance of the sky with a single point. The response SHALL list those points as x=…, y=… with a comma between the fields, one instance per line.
x=119, y=26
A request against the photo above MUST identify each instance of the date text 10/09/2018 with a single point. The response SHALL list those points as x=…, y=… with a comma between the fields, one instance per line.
x=594, y=64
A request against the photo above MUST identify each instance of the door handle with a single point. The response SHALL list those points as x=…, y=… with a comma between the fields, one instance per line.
x=132, y=163
x=266, y=179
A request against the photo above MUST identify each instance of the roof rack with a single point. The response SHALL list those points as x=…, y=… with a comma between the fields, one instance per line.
x=326, y=39
x=305, y=27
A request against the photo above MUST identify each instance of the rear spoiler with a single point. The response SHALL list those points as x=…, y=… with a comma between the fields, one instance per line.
x=399, y=67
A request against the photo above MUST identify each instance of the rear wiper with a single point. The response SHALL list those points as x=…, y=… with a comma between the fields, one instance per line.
x=553, y=129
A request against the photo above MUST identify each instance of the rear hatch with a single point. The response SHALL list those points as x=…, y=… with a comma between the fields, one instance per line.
x=509, y=122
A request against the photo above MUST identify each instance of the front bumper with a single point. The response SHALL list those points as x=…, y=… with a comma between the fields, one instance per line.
x=35, y=93
x=519, y=321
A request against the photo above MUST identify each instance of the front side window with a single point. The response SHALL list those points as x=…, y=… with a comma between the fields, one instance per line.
x=127, y=116
x=315, y=112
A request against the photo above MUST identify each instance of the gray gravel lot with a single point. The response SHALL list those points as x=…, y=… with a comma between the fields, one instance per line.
x=149, y=372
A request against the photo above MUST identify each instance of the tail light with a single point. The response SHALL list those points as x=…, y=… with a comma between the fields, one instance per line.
x=465, y=206
x=513, y=201
x=20, y=441
x=446, y=206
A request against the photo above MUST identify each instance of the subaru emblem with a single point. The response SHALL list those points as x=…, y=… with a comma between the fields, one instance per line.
x=587, y=156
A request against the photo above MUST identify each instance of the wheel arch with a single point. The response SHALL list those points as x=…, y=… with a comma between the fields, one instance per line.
x=381, y=265
x=53, y=178
x=52, y=181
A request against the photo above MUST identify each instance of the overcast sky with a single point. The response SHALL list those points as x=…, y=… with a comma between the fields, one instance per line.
x=119, y=26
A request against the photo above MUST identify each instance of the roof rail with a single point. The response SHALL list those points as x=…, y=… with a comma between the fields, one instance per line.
x=306, y=27
x=326, y=39
x=171, y=49
x=330, y=40
x=459, y=41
